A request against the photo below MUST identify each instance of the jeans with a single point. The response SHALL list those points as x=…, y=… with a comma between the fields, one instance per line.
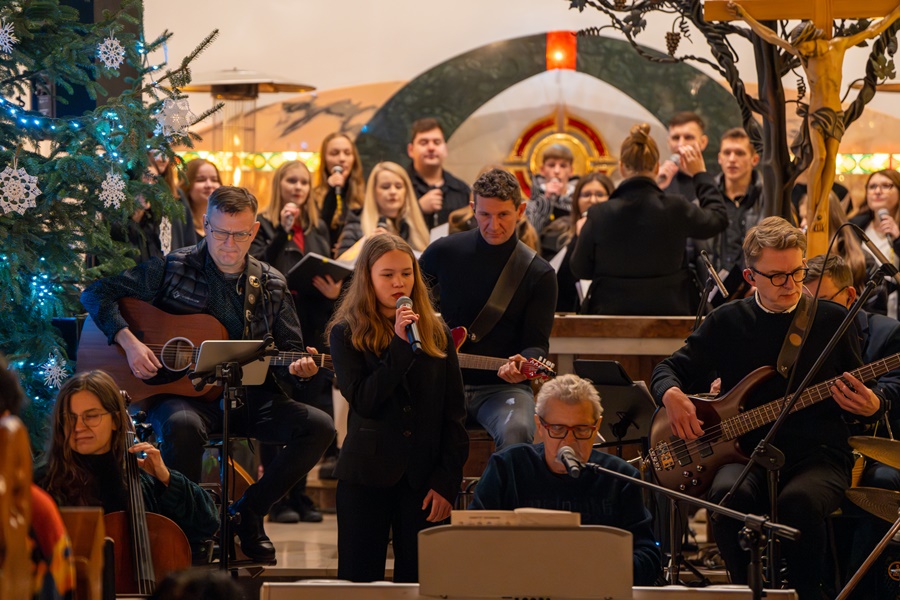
x=505, y=411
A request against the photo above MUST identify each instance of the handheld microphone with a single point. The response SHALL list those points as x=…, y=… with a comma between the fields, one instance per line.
x=887, y=266
x=290, y=226
x=412, y=330
x=675, y=158
x=714, y=274
x=882, y=215
x=338, y=190
x=570, y=461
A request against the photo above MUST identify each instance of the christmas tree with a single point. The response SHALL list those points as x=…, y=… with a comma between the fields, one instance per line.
x=66, y=181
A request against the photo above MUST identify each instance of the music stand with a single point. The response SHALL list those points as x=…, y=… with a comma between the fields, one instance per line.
x=626, y=404
x=221, y=362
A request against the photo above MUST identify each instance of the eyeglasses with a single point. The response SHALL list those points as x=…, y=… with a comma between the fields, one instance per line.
x=222, y=235
x=558, y=432
x=884, y=187
x=779, y=279
x=836, y=294
x=90, y=418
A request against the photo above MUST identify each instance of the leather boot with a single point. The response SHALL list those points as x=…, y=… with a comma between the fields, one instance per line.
x=254, y=541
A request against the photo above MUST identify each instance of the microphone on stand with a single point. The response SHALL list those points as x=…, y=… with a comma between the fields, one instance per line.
x=570, y=461
x=887, y=266
x=882, y=215
x=338, y=190
x=412, y=330
x=714, y=274
x=675, y=158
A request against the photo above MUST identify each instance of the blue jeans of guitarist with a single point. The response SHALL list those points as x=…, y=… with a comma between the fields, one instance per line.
x=184, y=425
x=811, y=488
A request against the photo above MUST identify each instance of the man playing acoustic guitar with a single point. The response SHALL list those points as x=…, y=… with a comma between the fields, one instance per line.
x=740, y=337
x=216, y=277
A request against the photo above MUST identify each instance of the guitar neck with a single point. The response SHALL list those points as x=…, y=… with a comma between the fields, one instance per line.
x=486, y=363
x=323, y=361
x=762, y=415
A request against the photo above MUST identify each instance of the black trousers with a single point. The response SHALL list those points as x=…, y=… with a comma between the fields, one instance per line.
x=366, y=517
x=184, y=425
x=810, y=489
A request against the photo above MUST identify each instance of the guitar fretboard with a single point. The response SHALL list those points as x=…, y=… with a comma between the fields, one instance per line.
x=749, y=420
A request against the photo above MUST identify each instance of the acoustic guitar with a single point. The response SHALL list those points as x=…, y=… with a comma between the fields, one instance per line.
x=176, y=339
x=690, y=466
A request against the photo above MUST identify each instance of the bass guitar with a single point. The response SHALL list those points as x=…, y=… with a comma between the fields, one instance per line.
x=690, y=466
x=176, y=339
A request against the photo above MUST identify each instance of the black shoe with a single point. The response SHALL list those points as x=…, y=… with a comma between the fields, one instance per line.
x=326, y=468
x=307, y=510
x=254, y=541
x=282, y=513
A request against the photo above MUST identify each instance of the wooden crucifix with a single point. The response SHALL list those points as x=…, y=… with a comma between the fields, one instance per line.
x=822, y=58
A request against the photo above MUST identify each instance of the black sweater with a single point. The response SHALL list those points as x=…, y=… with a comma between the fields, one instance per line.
x=466, y=267
x=740, y=337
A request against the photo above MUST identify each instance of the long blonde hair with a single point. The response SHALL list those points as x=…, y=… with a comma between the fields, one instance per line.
x=354, y=192
x=66, y=481
x=309, y=212
x=411, y=213
x=358, y=307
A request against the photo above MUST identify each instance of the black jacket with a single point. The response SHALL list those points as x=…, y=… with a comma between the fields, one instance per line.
x=632, y=246
x=456, y=196
x=407, y=416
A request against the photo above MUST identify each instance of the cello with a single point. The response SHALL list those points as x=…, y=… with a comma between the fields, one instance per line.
x=147, y=546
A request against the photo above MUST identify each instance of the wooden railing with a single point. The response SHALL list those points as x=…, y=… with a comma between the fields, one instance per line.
x=639, y=343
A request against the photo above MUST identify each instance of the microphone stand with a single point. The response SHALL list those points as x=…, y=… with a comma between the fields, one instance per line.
x=228, y=374
x=704, y=300
x=765, y=453
x=753, y=536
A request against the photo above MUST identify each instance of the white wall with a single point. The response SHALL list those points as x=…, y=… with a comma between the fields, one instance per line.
x=337, y=43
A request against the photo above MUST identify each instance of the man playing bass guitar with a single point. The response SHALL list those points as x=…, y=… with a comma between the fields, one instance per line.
x=742, y=336
x=250, y=299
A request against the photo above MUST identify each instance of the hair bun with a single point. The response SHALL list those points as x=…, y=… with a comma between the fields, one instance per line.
x=641, y=131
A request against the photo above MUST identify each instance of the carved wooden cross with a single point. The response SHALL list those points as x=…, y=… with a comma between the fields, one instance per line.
x=821, y=12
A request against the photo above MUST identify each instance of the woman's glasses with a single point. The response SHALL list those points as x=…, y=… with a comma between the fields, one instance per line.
x=90, y=418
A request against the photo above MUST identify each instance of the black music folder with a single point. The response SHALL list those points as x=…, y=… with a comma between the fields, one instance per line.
x=301, y=275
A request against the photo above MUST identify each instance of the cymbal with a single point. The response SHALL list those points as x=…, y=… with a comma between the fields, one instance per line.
x=879, y=502
x=881, y=449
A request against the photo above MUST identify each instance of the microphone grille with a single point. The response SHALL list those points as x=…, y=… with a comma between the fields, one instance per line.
x=882, y=213
x=676, y=158
x=403, y=301
x=337, y=169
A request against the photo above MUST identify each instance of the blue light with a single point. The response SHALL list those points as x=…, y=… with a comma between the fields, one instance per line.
x=75, y=125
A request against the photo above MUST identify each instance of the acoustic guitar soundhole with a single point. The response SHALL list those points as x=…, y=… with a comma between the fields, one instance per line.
x=177, y=354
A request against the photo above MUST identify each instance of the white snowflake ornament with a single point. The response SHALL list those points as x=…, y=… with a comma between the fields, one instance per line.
x=175, y=117
x=113, y=190
x=111, y=53
x=54, y=371
x=7, y=39
x=18, y=191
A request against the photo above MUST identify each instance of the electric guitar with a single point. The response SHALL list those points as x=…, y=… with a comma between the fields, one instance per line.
x=689, y=466
x=176, y=339
x=533, y=368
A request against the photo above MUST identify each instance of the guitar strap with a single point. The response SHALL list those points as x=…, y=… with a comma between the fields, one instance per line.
x=790, y=348
x=512, y=275
x=253, y=292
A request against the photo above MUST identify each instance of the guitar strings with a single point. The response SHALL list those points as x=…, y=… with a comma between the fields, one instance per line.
x=170, y=354
x=864, y=373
